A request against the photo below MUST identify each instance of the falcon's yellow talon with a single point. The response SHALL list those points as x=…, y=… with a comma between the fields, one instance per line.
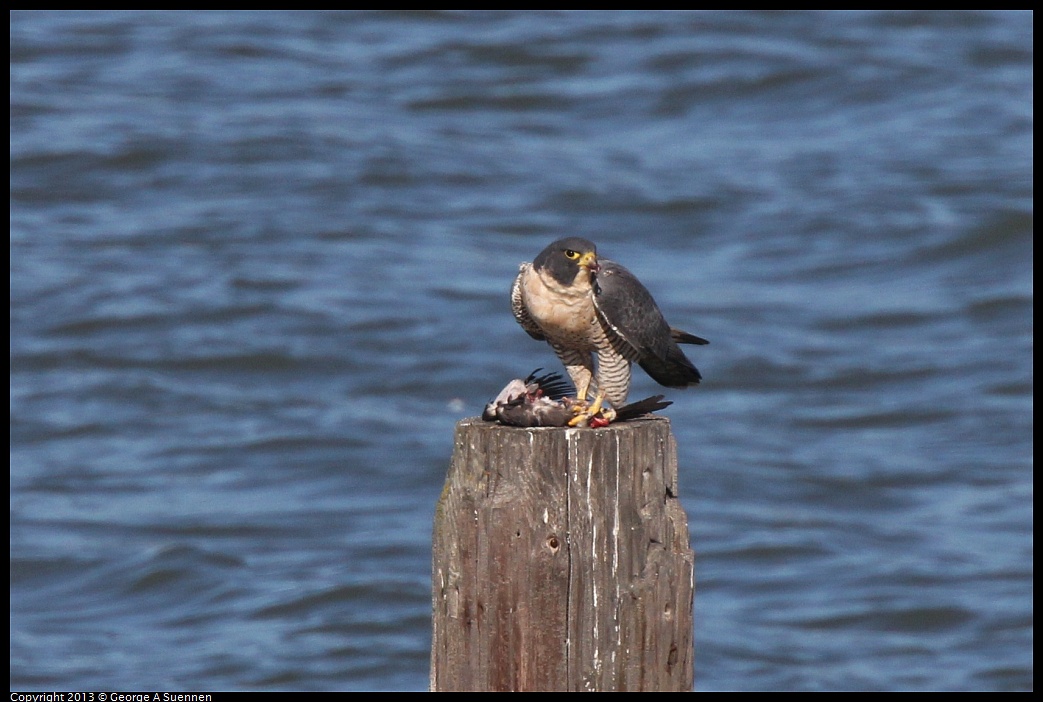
x=595, y=406
x=579, y=420
x=585, y=412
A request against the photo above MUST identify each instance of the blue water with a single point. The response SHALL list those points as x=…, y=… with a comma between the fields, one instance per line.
x=259, y=269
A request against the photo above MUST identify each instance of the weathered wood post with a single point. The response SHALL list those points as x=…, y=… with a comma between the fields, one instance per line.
x=562, y=561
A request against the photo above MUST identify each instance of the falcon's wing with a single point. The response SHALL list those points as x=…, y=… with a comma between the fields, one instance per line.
x=628, y=310
x=638, y=329
x=518, y=306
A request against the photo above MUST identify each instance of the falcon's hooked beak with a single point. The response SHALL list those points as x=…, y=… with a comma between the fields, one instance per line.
x=589, y=262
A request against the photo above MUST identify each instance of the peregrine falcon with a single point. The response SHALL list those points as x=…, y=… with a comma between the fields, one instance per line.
x=585, y=306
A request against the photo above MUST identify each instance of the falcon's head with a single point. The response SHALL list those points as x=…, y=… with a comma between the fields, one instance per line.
x=568, y=261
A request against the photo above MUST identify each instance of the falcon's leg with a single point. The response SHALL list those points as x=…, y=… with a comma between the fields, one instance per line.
x=613, y=376
x=580, y=366
x=583, y=388
x=613, y=382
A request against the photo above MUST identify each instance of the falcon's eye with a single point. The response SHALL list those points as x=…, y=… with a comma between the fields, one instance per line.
x=569, y=253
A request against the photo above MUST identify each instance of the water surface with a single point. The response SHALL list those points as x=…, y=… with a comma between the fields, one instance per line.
x=259, y=269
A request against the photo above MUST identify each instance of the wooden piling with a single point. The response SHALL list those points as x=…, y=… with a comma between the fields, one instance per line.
x=562, y=561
